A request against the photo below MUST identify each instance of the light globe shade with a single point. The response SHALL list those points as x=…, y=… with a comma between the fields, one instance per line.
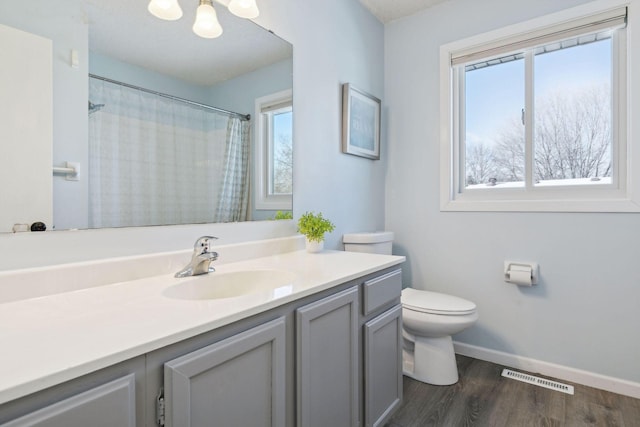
x=207, y=24
x=165, y=9
x=244, y=8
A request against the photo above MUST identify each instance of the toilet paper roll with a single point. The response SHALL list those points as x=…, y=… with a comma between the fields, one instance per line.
x=520, y=275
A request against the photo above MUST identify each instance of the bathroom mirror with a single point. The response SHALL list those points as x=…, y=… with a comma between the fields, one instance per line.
x=127, y=49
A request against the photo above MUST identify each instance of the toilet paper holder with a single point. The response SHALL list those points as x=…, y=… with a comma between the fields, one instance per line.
x=521, y=273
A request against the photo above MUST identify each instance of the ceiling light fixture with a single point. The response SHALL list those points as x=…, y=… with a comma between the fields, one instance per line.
x=244, y=8
x=206, y=24
x=165, y=9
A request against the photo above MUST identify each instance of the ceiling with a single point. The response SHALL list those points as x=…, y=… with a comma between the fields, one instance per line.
x=126, y=31
x=388, y=10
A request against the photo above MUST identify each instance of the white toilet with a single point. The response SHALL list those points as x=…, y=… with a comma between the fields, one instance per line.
x=429, y=319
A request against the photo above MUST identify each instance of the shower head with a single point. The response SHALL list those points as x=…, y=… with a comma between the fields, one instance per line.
x=95, y=107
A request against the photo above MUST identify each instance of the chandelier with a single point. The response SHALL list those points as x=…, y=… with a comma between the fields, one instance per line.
x=206, y=24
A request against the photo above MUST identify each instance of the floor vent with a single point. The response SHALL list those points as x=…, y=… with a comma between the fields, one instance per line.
x=542, y=382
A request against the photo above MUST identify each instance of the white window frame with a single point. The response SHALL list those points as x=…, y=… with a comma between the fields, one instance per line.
x=264, y=146
x=621, y=196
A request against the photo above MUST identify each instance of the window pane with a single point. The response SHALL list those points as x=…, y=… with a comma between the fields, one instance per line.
x=494, y=142
x=282, y=153
x=572, y=133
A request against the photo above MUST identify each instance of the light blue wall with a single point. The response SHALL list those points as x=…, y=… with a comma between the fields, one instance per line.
x=239, y=94
x=584, y=314
x=111, y=68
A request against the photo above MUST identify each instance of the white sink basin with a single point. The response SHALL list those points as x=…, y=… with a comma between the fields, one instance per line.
x=234, y=284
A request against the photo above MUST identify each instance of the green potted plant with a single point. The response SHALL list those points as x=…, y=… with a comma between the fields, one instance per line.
x=313, y=226
x=283, y=215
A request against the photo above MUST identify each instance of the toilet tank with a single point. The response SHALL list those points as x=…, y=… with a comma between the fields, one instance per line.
x=378, y=242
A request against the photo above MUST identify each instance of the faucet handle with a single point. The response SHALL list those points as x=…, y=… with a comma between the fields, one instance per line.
x=203, y=244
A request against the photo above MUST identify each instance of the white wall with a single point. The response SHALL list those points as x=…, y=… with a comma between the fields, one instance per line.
x=335, y=41
x=584, y=314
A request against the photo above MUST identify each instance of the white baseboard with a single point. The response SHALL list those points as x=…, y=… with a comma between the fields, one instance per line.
x=603, y=382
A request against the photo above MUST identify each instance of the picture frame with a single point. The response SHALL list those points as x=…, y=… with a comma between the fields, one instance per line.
x=361, y=114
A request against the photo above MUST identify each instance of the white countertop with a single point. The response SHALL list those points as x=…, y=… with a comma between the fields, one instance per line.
x=51, y=339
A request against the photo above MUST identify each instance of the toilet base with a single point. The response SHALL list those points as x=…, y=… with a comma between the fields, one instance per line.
x=432, y=361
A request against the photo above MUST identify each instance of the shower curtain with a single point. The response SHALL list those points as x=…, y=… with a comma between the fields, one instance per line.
x=233, y=201
x=159, y=161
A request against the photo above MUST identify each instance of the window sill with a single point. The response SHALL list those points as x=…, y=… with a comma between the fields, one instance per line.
x=274, y=203
x=544, y=205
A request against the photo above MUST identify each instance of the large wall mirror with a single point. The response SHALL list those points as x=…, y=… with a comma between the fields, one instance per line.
x=162, y=126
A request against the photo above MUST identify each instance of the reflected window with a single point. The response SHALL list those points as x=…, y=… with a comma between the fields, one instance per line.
x=280, y=131
x=274, y=162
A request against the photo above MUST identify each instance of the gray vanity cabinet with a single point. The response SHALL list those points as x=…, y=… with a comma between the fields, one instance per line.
x=108, y=405
x=327, y=361
x=382, y=346
x=108, y=397
x=239, y=381
x=382, y=366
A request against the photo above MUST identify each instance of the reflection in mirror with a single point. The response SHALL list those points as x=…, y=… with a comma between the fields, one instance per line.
x=145, y=158
x=274, y=115
x=176, y=162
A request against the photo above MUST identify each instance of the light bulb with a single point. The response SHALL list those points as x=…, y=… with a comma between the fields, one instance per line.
x=207, y=24
x=165, y=9
x=244, y=8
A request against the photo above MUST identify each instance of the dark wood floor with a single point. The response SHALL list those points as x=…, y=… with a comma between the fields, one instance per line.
x=483, y=397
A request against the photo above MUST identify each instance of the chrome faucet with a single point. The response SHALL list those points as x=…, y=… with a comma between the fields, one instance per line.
x=201, y=258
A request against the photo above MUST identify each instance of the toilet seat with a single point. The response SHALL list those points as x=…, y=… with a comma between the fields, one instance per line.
x=435, y=303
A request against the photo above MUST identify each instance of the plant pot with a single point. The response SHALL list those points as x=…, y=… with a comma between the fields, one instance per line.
x=313, y=246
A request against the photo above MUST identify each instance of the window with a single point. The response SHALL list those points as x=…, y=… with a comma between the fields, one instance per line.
x=274, y=162
x=538, y=116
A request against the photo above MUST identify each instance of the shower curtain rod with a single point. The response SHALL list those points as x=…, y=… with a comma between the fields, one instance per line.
x=175, y=98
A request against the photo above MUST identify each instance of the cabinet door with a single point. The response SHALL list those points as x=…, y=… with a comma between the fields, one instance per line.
x=327, y=361
x=382, y=366
x=111, y=404
x=239, y=381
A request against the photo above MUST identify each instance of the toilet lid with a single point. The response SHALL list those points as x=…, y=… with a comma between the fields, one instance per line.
x=435, y=303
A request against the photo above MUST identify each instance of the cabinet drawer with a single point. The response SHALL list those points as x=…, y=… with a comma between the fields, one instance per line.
x=381, y=290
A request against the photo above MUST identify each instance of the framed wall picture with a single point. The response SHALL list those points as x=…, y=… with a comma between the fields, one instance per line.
x=360, y=123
